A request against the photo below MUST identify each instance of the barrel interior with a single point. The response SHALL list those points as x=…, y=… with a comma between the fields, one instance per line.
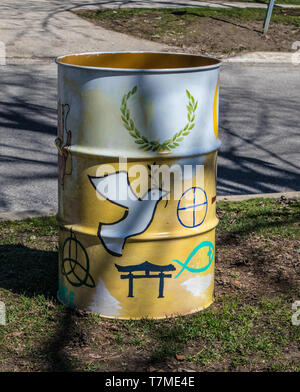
x=142, y=60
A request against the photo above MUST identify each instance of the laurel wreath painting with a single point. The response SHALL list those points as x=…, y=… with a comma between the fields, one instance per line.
x=156, y=145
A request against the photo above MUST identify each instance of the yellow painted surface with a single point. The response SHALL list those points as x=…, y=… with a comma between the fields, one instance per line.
x=215, y=112
x=138, y=60
x=165, y=241
x=134, y=258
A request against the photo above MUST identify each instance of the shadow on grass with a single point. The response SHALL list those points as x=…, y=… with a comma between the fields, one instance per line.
x=186, y=12
x=258, y=225
x=236, y=24
x=27, y=271
x=273, y=219
x=67, y=334
x=33, y=272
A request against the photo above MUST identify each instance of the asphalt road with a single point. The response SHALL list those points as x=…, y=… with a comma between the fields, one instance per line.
x=259, y=129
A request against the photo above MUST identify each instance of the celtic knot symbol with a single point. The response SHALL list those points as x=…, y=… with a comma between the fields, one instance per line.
x=76, y=271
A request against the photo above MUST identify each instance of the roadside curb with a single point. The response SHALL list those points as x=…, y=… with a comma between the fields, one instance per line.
x=292, y=58
x=20, y=215
x=285, y=195
x=179, y=4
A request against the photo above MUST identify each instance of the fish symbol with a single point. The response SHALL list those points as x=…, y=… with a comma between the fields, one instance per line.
x=210, y=254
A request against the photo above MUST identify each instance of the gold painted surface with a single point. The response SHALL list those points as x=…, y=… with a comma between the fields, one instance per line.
x=177, y=299
x=84, y=208
x=164, y=241
x=215, y=111
x=138, y=60
x=178, y=239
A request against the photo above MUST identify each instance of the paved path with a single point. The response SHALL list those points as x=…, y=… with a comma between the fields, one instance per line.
x=172, y=4
x=259, y=131
x=259, y=106
x=41, y=29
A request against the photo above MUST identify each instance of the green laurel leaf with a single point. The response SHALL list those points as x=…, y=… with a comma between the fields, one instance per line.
x=155, y=145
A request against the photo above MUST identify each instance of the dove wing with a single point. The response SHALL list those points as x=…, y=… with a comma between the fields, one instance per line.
x=115, y=187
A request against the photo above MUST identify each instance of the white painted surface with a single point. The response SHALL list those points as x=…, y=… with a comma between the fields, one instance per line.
x=158, y=109
x=115, y=187
x=103, y=302
x=198, y=285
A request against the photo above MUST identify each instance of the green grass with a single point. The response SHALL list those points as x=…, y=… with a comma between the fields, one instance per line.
x=233, y=334
x=262, y=216
x=267, y=1
x=233, y=330
x=284, y=2
x=44, y=226
x=170, y=16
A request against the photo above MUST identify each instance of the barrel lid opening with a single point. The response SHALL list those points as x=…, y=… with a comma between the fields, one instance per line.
x=138, y=61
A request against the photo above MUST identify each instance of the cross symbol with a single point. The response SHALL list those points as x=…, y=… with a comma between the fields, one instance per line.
x=194, y=190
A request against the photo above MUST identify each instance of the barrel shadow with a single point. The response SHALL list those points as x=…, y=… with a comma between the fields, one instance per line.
x=30, y=273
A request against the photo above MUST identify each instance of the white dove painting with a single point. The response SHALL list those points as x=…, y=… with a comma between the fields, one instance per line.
x=137, y=217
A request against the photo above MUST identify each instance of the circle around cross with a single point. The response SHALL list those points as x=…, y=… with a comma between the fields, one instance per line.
x=194, y=191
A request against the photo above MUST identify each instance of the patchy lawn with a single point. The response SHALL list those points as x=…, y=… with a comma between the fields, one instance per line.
x=247, y=328
x=297, y=2
x=208, y=31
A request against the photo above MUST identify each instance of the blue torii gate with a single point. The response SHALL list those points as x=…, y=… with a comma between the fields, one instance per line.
x=147, y=268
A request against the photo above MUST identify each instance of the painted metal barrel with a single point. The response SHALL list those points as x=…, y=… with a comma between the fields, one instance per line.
x=137, y=142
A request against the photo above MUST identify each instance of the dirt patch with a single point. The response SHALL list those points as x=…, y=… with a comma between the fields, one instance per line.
x=247, y=328
x=257, y=266
x=217, y=34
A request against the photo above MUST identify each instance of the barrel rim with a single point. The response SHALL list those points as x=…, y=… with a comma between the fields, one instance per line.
x=140, y=70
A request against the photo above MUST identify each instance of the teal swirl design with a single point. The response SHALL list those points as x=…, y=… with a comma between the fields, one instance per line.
x=210, y=254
